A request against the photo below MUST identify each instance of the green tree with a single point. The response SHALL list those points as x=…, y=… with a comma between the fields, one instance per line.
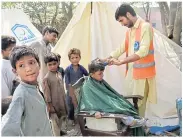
x=56, y=14
x=172, y=20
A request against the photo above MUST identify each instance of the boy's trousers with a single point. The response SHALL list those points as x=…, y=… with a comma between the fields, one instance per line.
x=57, y=123
x=70, y=107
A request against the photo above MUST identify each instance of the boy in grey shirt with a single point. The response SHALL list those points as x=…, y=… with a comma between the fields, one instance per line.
x=27, y=114
x=43, y=47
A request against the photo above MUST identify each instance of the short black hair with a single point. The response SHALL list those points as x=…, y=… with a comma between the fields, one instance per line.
x=123, y=9
x=59, y=56
x=95, y=66
x=6, y=41
x=21, y=51
x=50, y=57
x=50, y=30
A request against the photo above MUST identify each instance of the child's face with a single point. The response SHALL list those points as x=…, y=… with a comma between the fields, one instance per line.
x=51, y=37
x=98, y=75
x=7, y=51
x=27, y=69
x=52, y=66
x=75, y=58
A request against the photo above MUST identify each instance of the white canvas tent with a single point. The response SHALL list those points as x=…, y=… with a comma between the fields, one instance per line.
x=94, y=30
x=15, y=22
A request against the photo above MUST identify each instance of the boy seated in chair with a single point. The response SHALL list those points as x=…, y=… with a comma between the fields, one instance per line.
x=97, y=97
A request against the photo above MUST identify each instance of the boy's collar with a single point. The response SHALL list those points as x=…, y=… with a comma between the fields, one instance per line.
x=53, y=71
x=73, y=65
x=96, y=80
x=29, y=85
x=6, y=58
x=46, y=42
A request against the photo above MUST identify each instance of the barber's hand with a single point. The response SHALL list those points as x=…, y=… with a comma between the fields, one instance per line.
x=118, y=63
x=101, y=60
x=111, y=61
x=98, y=115
x=114, y=61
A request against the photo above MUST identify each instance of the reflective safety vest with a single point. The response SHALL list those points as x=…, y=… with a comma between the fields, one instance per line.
x=144, y=67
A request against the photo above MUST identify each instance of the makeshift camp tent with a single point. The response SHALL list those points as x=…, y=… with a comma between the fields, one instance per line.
x=94, y=30
x=16, y=23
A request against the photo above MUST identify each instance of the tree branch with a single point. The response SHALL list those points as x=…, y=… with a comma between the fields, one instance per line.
x=163, y=17
x=34, y=7
x=55, y=15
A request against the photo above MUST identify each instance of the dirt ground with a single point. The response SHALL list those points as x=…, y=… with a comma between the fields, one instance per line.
x=72, y=130
x=75, y=131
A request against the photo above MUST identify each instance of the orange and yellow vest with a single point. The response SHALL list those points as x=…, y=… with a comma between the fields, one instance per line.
x=144, y=67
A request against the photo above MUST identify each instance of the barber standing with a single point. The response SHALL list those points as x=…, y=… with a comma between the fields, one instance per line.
x=139, y=49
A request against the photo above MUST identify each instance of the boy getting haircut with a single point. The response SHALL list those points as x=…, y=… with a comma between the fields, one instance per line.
x=95, y=66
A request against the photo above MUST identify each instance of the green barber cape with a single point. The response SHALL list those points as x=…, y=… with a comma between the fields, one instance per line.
x=100, y=96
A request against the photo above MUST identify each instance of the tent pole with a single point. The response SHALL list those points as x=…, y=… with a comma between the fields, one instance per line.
x=91, y=6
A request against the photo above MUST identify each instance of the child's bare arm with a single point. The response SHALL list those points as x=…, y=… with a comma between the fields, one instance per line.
x=73, y=96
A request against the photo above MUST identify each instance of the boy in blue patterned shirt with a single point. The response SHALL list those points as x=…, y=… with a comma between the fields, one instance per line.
x=72, y=73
